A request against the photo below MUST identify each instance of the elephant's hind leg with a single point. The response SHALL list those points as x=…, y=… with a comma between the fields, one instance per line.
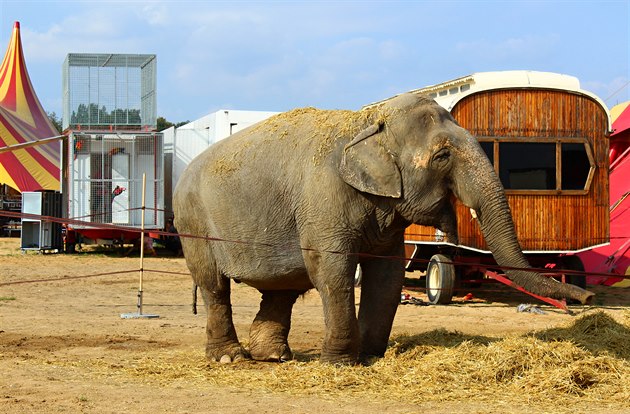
x=270, y=329
x=222, y=342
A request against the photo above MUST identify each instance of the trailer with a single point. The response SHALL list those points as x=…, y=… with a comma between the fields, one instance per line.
x=548, y=141
x=184, y=143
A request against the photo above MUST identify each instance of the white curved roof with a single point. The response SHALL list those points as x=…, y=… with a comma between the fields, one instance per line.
x=447, y=94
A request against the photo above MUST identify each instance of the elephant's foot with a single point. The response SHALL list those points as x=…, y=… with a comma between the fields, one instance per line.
x=372, y=351
x=270, y=351
x=340, y=352
x=370, y=357
x=338, y=359
x=268, y=342
x=226, y=354
x=270, y=329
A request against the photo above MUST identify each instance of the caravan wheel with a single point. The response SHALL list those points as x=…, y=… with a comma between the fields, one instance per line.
x=574, y=263
x=440, y=280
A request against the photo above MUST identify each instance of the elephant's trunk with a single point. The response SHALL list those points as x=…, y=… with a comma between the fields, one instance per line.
x=488, y=200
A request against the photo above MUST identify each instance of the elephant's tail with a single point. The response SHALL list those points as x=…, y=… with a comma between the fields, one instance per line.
x=194, y=297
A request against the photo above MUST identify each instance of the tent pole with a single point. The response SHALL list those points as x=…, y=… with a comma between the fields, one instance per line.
x=142, y=223
x=139, y=314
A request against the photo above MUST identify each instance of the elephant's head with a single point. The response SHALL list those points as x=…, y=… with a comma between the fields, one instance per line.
x=418, y=157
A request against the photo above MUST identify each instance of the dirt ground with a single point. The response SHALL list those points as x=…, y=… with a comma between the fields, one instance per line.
x=64, y=346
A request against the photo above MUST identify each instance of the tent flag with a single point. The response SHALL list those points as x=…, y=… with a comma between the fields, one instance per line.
x=22, y=120
x=621, y=118
x=620, y=115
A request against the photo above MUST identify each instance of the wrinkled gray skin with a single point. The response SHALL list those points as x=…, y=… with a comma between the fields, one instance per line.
x=301, y=199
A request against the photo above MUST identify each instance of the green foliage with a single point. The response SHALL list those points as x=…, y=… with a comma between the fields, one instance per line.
x=56, y=121
x=93, y=115
x=163, y=123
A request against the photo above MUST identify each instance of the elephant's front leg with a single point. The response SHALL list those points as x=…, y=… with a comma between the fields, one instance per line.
x=380, y=296
x=270, y=329
x=333, y=277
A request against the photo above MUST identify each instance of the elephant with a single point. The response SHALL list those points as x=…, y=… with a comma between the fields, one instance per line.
x=296, y=202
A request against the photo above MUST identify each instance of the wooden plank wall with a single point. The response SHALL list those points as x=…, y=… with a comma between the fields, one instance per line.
x=543, y=222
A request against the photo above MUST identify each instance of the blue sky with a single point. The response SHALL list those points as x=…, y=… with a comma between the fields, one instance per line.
x=279, y=55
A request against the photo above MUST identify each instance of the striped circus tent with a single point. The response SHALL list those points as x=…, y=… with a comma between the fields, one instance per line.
x=29, y=158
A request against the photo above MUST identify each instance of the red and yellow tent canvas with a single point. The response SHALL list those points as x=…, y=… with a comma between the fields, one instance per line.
x=25, y=163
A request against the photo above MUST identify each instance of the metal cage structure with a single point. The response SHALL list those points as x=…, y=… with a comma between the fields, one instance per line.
x=109, y=91
x=105, y=173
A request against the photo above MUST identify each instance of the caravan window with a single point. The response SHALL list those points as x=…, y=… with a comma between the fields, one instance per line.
x=488, y=148
x=575, y=166
x=527, y=166
x=562, y=165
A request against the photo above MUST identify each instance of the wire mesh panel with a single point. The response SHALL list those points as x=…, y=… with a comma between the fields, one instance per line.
x=105, y=178
x=102, y=91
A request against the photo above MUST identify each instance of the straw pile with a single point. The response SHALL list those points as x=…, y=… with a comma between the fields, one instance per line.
x=587, y=362
x=322, y=126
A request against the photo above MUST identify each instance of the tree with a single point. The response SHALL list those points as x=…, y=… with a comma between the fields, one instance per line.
x=82, y=116
x=52, y=116
x=163, y=124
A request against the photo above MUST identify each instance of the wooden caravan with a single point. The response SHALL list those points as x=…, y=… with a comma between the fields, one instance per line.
x=548, y=142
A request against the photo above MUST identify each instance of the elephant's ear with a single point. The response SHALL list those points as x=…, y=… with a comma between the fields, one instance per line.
x=368, y=167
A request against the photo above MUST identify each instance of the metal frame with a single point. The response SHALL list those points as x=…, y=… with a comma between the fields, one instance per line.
x=106, y=90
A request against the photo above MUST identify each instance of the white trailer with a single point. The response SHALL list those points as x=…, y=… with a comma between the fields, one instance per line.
x=183, y=144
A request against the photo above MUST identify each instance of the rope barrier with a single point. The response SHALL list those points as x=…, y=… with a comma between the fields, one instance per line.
x=166, y=272
x=75, y=221
x=64, y=278
x=95, y=225
x=20, y=282
x=107, y=226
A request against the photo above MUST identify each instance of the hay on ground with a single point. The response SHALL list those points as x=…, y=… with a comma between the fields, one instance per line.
x=586, y=361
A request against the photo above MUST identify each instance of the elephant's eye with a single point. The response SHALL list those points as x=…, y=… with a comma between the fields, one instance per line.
x=441, y=156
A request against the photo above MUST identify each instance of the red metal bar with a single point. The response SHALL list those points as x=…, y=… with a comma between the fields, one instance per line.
x=500, y=278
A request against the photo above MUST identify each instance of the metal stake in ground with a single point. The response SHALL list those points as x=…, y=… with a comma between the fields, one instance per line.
x=139, y=314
